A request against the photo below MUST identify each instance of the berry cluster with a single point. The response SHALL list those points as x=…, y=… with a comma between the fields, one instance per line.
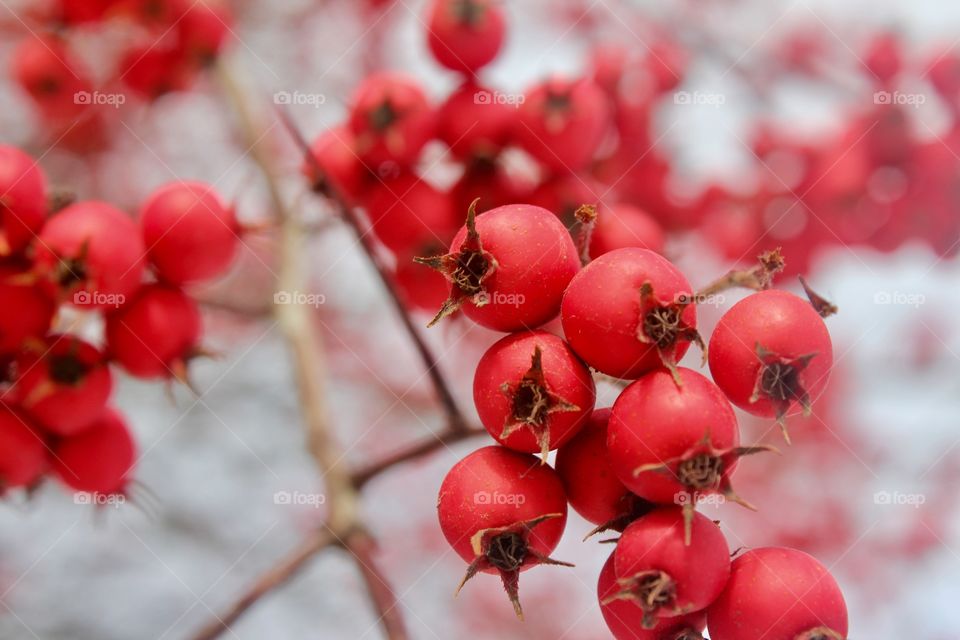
x=640, y=467
x=55, y=387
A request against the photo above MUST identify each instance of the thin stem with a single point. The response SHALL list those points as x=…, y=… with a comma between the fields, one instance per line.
x=363, y=547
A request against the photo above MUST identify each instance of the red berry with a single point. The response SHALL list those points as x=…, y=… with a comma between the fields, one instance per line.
x=662, y=575
x=503, y=512
x=474, y=122
x=153, y=70
x=492, y=184
x=532, y=392
x=23, y=454
x=190, y=234
x=391, y=119
x=508, y=267
x=99, y=459
x=420, y=288
x=770, y=353
x=622, y=225
x=628, y=312
x=64, y=384
x=340, y=169
x=465, y=35
x=203, y=29
x=23, y=199
x=408, y=214
x=563, y=194
x=34, y=309
x=44, y=67
x=781, y=594
x=592, y=487
x=625, y=619
x=73, y=12
x=156, y=333
x=92, y=253
x=157, y=14
x=562, y=122
x=884, y=58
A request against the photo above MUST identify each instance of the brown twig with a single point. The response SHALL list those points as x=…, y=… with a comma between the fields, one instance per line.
x=758, y=277
x=363, y=547
x=367, y=243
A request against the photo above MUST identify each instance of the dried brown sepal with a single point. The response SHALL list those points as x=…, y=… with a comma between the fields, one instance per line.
x=533, y=402
x=702, y=470
x=634, y=507
x=821, y=305
x=506, y=550
x=778, y=380
x=663, y=326
x=465, y=270
x=758, y=277
x=820, y=633
x=652, y=591
x=586, y=217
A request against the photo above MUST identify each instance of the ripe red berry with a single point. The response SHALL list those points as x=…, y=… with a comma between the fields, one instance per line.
x=503, y=512
x=628, y=312
x=465, y=35
x=44, y=68
x=23, y=199
x=391, y=119
x=532, y=392
x=592, y=487
x=662, y=575
x=340, y=169
x=508, y=267
x=562, y=122
x=153, y=70
x=64, y=384
x=420, y=288
x=770, y=353
x=23, y=454
x=625, y=619
x=73, y=12
x=492, y=184
x=34, y=309
x=156, y=14
x=474, y=122
x=99, y=459
x=190, y=234
x=622, y=225
x=91, y=253
x=156, y=333
x=203, y=29
x=778, y=593
x=408, y=214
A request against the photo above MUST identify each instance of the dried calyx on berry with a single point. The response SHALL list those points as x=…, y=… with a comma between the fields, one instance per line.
x=634, y=507
x=779, y=382
x=506, y=550
x=653, y=591
x=664, y=327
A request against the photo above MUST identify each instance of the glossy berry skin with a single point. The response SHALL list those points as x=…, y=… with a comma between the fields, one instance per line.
x=23, y=199
x=780, y=594
x=562, y=122
x=34, y=309
x=99, y=459
x=535, y=259
x=655, y=543
x=540, y=409
x=64, y=384
x=408, y=214
x=593, y=489
x=655, y=421
x=190, y=234
x=496, y=487
x=391, y=119
x=465, y=35
x=625, y=619
x=787, y=328
x=602, y=311
x=474, y=123
x=23, y=455
x=622, y=225
x=340, y=169
x=156, y=333
x=92, y=253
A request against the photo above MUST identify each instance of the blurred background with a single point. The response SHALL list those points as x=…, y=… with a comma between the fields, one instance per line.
x=829, y=129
